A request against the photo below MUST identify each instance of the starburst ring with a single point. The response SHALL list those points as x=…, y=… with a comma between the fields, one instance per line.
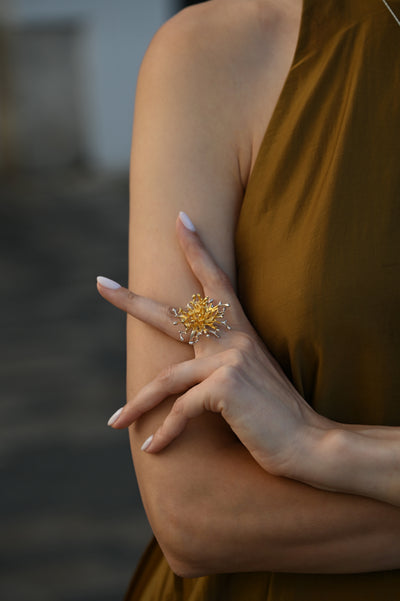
x=201, y=317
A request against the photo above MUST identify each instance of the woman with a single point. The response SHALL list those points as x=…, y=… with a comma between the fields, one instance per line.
x=273, y=124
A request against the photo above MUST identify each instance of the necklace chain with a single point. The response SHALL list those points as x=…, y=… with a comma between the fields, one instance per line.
x=395, y=17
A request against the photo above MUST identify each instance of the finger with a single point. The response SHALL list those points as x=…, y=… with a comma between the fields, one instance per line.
x=173, y=380
x=146, y=309
x=190, y=405
x=215, y=282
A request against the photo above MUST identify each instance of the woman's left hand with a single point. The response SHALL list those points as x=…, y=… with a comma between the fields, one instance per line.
x=234, y=375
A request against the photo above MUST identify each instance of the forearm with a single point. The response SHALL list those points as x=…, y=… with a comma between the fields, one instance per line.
x=214, y=509
x=354, y=459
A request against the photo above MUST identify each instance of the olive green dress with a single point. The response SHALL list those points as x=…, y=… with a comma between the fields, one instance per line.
x=318, y=256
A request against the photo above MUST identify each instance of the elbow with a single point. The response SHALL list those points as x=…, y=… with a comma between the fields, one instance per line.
x=185, y=541
x=184, y=553
x=183, y=567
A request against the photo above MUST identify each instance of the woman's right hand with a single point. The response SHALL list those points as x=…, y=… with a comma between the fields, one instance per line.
x=233, y=375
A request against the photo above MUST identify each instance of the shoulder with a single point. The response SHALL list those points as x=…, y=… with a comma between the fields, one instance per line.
x=216, y=37
x=213, y=26
x=205, y=64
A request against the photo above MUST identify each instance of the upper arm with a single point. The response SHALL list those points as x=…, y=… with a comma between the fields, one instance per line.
x=183, y=158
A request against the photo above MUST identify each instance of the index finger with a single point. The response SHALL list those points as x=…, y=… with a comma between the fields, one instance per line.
x=200, y=316
x=146, y=309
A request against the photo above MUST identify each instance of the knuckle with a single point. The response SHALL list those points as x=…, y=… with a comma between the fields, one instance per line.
x=166, y=374
x=194, y=251
x=245, y=343
x=236, y=357
x=178, y=408
x=196, y=259
x=219, y=278
x=226, y=377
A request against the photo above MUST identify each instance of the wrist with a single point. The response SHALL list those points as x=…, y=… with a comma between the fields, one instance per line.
x=311, y=454
x=350, y=461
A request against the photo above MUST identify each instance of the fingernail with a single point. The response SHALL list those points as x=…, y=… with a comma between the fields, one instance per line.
x=186, y=221
x=114, y=417
x=147, y=443
x=107, y=283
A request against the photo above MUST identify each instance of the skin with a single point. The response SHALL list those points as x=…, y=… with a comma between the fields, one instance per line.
x=238, y=378
x=219, y=69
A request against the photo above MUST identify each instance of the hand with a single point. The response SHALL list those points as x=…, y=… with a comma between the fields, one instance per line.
x=233, y=375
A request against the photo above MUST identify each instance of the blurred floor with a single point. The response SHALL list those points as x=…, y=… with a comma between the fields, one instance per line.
x=72, y=524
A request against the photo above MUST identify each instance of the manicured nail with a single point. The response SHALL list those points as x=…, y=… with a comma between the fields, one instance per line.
x=107, y=283
x=114, y=417
x=186, y=221
x=147, y=443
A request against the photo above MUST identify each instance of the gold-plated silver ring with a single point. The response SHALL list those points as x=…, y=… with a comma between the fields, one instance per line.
x=201, y=317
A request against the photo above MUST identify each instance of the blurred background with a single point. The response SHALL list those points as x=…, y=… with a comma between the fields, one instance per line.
x=72, y=524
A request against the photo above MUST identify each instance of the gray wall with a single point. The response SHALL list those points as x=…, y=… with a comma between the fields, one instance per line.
x=113, y=36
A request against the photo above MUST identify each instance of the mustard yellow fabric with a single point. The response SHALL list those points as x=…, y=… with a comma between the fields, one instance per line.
x=318, y=255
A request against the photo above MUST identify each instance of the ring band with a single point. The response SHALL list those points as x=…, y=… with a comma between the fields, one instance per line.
x=201, y=318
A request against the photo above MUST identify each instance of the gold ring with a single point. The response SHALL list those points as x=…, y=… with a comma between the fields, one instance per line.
x=201, y=317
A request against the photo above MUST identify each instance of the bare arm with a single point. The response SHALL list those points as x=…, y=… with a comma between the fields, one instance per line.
x=212, y=508
x=235, y=376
